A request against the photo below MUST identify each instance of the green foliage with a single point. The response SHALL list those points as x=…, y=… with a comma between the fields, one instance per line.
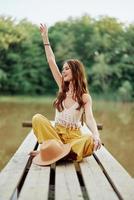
x=100, y=74
x=125, y=91
x=104, y=45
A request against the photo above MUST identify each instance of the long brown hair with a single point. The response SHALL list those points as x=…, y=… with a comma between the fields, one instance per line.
x=79, y=82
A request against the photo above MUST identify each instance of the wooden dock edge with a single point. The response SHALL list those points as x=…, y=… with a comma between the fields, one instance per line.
x=99, y=176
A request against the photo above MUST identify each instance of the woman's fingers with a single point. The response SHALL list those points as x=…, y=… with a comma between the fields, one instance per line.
x=42, y=25
x=97, y=145
x=43, y=28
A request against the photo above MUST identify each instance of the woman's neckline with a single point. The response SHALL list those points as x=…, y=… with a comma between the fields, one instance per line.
x=70, y=106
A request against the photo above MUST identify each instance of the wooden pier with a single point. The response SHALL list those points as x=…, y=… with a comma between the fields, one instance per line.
x=98, y=177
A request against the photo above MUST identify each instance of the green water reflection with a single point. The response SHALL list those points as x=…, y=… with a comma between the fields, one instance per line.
x=116, y=118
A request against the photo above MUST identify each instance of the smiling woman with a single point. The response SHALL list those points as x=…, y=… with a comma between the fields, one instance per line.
x=72, y=101
x=66, y=72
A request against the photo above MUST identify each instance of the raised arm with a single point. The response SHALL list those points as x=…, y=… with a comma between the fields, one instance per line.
x=90, y=121
x=50, y=55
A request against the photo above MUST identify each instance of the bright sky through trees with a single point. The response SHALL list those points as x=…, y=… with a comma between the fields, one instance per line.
x=51, y=11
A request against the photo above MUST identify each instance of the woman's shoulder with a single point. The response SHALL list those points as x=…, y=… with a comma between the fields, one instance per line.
x=86, y=97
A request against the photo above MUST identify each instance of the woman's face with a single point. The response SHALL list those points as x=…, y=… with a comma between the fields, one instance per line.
x=66, y=72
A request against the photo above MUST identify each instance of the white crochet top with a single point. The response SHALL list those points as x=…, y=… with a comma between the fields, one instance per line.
x=69, y=117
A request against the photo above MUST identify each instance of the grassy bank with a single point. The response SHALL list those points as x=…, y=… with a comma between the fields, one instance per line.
x=110, y=97
x=27, y=99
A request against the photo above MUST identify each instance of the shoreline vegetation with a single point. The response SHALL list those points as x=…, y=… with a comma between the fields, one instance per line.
x=104, y=45
x=113, y=98
x=26, y=99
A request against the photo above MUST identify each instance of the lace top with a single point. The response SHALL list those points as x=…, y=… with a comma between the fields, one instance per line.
x=69, y=117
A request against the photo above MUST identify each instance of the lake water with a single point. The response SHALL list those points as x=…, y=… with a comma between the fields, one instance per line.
x=117, y=133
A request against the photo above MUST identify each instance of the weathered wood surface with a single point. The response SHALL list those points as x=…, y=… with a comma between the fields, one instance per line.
x=98, y=187
x=36, y=185
x=10, y=176
x=119, y=177
x=67, y=185
x=99, y=176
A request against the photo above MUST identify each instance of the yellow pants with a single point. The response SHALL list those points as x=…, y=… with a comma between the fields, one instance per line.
x=81, y=145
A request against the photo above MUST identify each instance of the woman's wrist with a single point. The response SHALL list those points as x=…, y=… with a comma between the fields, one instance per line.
x=46, y=44
x=44, y=35
x=46, y=41
x=45, y=38
x=96, y=137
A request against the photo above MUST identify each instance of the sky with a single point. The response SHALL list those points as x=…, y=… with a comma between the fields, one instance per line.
x=51, y=11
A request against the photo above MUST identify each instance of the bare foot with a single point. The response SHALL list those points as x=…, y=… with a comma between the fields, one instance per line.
x=33, y=153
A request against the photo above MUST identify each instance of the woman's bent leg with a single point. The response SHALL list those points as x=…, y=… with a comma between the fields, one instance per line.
x=43, y=128
x=82, y=146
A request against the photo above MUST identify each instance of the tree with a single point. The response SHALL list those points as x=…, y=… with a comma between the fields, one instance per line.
x=125, y=91
x=100, y=74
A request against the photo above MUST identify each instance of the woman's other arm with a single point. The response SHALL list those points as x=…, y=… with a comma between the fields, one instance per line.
x=90, y=121
x=50, y=55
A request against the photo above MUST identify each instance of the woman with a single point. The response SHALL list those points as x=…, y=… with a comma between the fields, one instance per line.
x=73, y=99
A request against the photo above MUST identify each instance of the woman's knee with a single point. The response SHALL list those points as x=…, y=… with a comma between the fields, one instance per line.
x=89, y=138
x=89, y=143
x=36, y=118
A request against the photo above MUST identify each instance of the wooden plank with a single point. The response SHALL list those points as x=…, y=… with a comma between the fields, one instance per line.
x=67, y=186
x=96, y=183
x=36, y=185
x=10, y=176
x=118, y=176
x=29, y=124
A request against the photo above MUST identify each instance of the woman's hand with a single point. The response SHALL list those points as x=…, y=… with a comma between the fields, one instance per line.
x=43, y=29
x=97, y=143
